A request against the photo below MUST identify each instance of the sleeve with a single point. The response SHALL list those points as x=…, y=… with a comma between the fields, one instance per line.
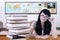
x=53, y=31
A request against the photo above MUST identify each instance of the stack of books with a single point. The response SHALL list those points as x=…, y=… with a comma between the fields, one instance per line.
x=17, y=24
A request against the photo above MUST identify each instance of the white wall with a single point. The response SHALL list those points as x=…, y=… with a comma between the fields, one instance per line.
x=30, y=16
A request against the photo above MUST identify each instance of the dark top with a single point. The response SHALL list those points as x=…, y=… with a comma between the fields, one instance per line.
x=46, y=30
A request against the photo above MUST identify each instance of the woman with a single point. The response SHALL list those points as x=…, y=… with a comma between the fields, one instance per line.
x=43, y=26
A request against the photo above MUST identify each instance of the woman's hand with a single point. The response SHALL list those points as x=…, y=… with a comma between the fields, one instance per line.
x=50, y=19
x=31, y=36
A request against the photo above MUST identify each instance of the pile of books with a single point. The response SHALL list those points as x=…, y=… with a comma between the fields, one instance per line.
x=17, y=24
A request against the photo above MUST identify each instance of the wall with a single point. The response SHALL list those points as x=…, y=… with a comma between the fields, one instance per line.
x=30, y=16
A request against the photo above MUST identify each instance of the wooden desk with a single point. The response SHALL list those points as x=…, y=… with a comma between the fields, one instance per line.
x=3, y=35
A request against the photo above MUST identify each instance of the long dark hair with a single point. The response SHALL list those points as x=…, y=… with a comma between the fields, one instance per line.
x=47, y=24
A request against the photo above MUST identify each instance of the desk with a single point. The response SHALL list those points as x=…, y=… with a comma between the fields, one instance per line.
x=3, y=35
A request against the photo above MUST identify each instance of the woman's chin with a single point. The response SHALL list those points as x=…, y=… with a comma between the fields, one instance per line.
x=42, y=21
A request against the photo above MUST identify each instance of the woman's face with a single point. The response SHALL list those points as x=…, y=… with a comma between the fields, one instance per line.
x=43, y=17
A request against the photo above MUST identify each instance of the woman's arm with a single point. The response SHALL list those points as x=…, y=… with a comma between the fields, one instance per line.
x=43, y=37
x=54, y=31
x=31, y=34
x=31, y=30
x=32, y=27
